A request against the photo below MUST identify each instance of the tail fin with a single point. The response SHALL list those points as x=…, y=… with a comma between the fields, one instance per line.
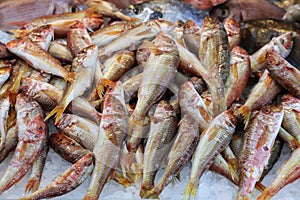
x=245, y=112
x=260, y=186
x=266, y=195
x=190, y=191
x=71, y=77
x=58, y=112
x=32, y=185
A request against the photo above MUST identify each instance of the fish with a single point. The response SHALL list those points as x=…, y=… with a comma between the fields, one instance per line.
x=84, y=66
x=67, y=181
x=170, y=10
x=112, y=133
x=214, y=53
x=242, y=10
x=162, y=131
x=31, y=135
x=206, y=4
x=67, y=148
x=257, y=33
x=238, y=75
x=191, y=36
x=283, y=73
x=78, y=38
x=158, y=73
x=259, y=139
x=38, y=58
x=61, y=52
x=83, y=131
x=10, y=144
x=34, y=180
x=192, y=104
x=282, y=45
x=181, y=152
x=292, y=13
x=233, y=30
x=39, y=76
x=261, y=94
x=212, y=141
x=287, y=173
x=107, y=34
x=4, y=110
x=15, y=13
x=291, y=141
x=291, y=106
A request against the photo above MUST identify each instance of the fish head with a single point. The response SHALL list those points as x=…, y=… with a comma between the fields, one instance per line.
x=224, y=11
x=36, y=129
x=144, y=11
x=63, y=6
x=272, y=113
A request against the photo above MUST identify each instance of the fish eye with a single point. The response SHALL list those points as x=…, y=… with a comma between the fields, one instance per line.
x=73, y=9
x=136, y=10
x=223, y=12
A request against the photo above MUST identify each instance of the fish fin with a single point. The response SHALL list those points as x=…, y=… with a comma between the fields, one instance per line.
x=107, y=82
x=245, y=112
x=22, y=150
x=175, y=179
x=138, y=170
x=32, y=185
x=190, y=191
x=100, y=90
x=119, y=178
x=266, y=195
x=260, y=186
x=58, y=112
x=71, y=77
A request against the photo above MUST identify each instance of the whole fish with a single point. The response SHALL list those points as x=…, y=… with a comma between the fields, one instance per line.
x=243, y=10
x=170, y=10
x=261, y=94
x=67, y=148
x=83, y=131
x=213, y=141
x=162, y=131
x=159, y=71
x=105, y=35
x=31, y=135
x=11, y=143
x=282, y=45
x=34, y=180
x=84, y=66
x=15, y=13
x=112, y=132
x=283, y=72
x=182, y=150
x=257, y=33
x=38, y=58
x=67, y=181
x=291, y=119
x=259, y=139
x=214, y=53
x=238, y=75
x=287, y=173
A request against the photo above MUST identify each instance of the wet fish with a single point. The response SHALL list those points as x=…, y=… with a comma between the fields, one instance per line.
x=38, y=58
x=214, y=53
x=11, y=143
x=233, y=30
x=283, y=72
x=67, y=148
x=15, y=13
x=238, y=75
x=212, y=141
x=290, y=140
x=112, y=132
x=159, y=71
x=34, y=180
x=287, y=173
x=31, y=135
x=259, y=139
x=243, y=10
x=67, y=181
x=83, y=131
x=170, y=10
x=291, y=119
x=282, y=45
x=191, y=36
x=61, y=52
x=181, y=152
x=42, y=36
x=162, y=131
x=261, y=94
x=84, y=66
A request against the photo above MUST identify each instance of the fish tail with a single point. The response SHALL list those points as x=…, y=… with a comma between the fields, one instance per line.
x=245, y=112
x=107, y=82
x=190, y=191
x=122, y=180
x=89, y=197
x=260, y=186
x=145, y=190
x=71, y=77
x=32, y=185
x=58, y=112
x=266, y=195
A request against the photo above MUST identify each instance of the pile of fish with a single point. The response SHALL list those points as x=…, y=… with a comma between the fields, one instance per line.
x=130, y=97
